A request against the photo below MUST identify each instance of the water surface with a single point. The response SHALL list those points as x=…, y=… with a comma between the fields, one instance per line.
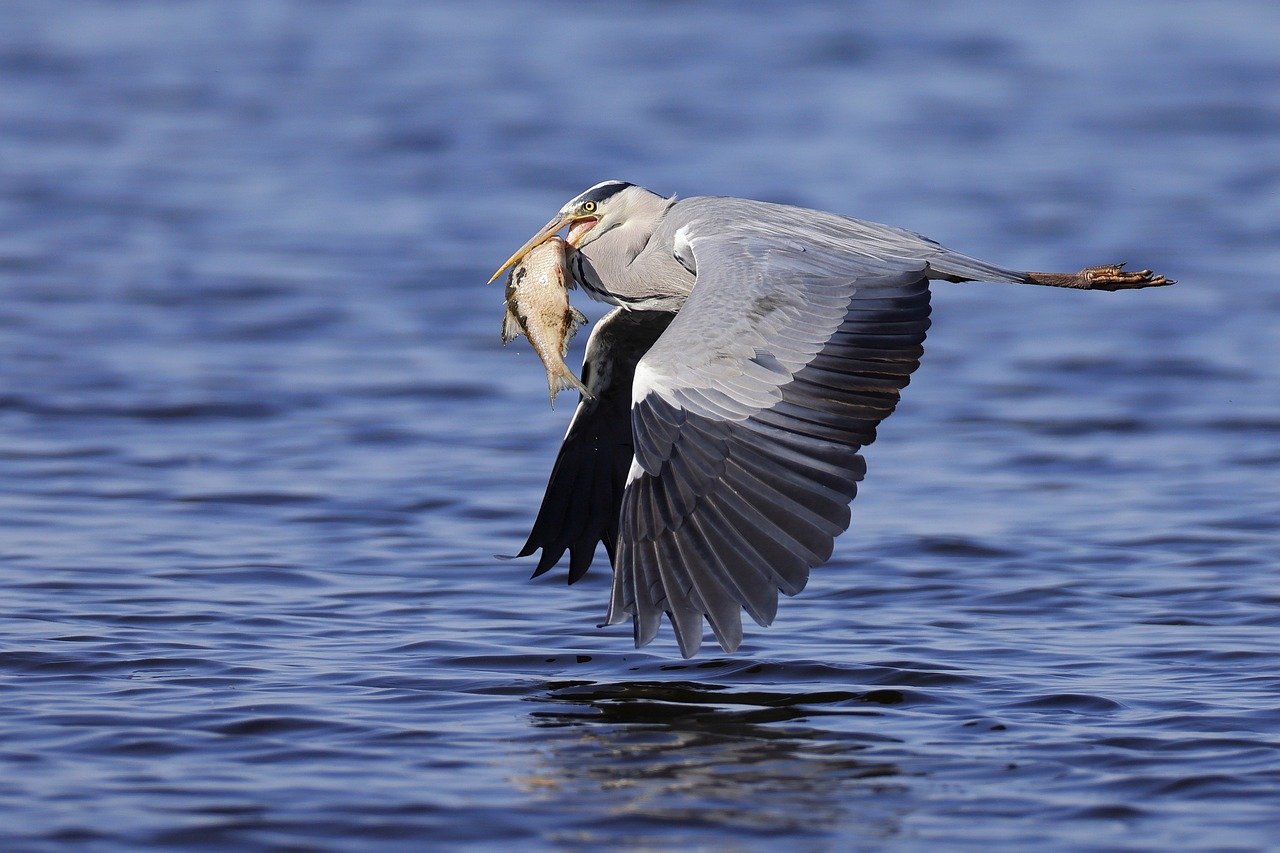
x=258, y=439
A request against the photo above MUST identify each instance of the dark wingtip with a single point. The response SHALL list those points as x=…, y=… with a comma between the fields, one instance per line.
x=544, y=565
x=529, y=548
x=580, y=559
x=547, y=562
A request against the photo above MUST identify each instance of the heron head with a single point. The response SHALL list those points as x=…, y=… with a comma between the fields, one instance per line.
x=601, y=208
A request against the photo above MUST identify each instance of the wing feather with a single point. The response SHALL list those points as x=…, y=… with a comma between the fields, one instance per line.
x=748, y=415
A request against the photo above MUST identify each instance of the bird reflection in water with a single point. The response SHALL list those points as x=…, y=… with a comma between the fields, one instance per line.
x=672, y=761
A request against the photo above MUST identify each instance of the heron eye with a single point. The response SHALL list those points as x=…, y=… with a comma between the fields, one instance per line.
x=588, y=207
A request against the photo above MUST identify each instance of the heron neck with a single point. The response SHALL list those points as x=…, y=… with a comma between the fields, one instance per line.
x=628, y=265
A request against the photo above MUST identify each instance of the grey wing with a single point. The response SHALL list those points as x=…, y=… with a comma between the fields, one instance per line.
x=581, y=505
x=748, y=416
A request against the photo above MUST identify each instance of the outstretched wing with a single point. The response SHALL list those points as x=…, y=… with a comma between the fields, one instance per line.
x=584, y=493
x=748, y=415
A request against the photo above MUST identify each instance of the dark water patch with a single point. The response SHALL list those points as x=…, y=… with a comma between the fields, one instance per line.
x=171, y=620
x=1210, y=655
x=1072, y=427
x=1248, y=523
x=981, y=51
x=1197, y=541
x=691, y=693
x=200, y=293
x=485, y=513
x=1076, y=703
x=798, y=672
x=374, y=517
x=135, y=747
x=531, y=661
x=961, y=547
x=74, y=835
x=1236, y=748
x=1118, y=811
x=1213, y=719
x=985, y=724
x=171, y=412
x=1209, y=786
x=37, y=663
x=640, y=702
x=294, y=324
x=1143, y=368
x=101, y=583
x=57, y=453
x=384, y=435
x=1241, y=119
x=276, y=725
x=416, y=141
x=840, y=48
x=429, y=504
x=1174, y=620
x=921, y=678
x=251, y=575
x=1056, y=597
x=249, y=498
x=429, y=390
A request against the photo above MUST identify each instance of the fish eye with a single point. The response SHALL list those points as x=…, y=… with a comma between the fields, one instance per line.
x=588, y=207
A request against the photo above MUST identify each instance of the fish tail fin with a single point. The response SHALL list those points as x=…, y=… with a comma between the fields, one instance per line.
x=562, y=380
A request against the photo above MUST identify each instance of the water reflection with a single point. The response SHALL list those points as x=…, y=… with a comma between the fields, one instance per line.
x=670, y=760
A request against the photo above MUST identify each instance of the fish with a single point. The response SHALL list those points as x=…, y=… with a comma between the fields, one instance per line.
x=538, y=307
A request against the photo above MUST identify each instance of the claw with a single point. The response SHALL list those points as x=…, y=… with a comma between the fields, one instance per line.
x=1101, y=277
x=1114, y=277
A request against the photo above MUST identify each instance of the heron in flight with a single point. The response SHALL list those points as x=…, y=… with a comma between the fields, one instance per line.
x=754, y=350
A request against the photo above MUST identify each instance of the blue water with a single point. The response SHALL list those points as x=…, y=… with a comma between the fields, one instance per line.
x=258, y=438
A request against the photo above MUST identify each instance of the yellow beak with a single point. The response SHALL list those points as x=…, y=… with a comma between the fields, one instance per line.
x=550, y=228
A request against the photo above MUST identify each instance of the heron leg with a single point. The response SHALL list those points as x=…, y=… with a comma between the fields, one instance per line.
x=1103, y=277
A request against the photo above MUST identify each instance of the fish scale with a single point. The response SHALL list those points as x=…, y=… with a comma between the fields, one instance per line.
x=537, y=306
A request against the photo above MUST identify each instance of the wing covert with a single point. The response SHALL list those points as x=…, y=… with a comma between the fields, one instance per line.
x=748, y=415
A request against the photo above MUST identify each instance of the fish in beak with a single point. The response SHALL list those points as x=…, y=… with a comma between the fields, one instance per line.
x=578, y=228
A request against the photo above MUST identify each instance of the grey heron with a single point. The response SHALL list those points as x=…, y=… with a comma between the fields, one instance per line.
x=754, y=350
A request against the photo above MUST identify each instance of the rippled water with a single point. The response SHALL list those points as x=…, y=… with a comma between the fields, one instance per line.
x=258, y=439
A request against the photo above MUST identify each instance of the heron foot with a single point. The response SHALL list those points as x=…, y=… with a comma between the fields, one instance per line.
x=1114, y=277
x=1102, y=277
